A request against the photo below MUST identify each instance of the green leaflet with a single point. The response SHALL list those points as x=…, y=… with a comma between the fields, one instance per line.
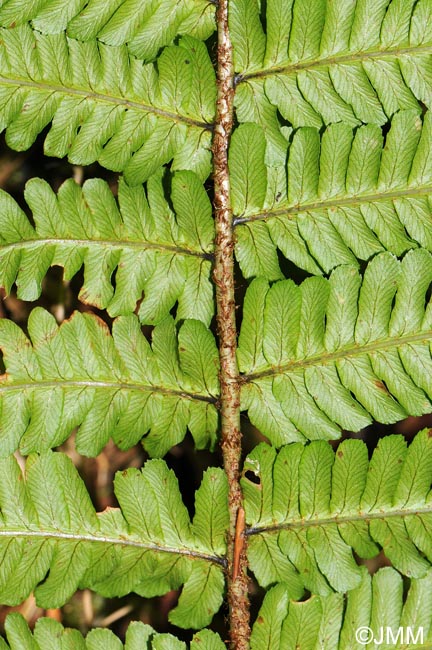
x=149, y=545
x=342, y=197
x=247, y=169
x=152, y=250
x=327, y=61
x=244, y=22
x=51, y=634
x=145, y=27
x=325, y=622
x=105, y=105
x=110, y=386
x=313, y=507
x=335, y=354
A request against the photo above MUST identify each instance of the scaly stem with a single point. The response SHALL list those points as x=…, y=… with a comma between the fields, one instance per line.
x=223, y=276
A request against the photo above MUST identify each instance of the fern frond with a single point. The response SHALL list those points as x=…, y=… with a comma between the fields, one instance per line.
x=49, y=634
x=342, y=197
x=105, y=105
x=337, y=353
x=313, y=507
x=145, y=27
x=149, y=545
x=331, y=622
x=119, y=386
x=325, y=61
x=151, y=250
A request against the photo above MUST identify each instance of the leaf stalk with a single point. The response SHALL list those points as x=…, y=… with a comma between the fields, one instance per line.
x=223, y=276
